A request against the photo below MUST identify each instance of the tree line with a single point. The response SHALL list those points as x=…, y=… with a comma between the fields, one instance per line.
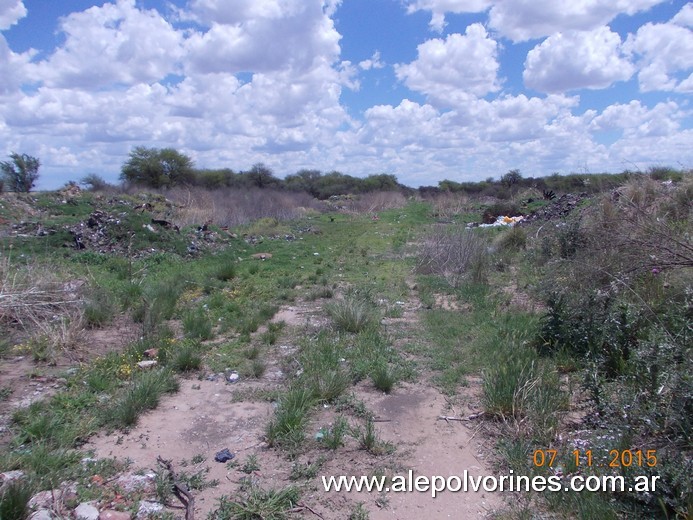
x=162, y=168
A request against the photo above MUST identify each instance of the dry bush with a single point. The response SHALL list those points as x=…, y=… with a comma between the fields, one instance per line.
x=643, y=226
x=455, y=253
x=376, y=201
x=32, y=294
x=448, y=205
x=43, y=305
x=234, y=207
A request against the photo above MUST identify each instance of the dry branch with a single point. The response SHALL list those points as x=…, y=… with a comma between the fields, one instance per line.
x=179, y=489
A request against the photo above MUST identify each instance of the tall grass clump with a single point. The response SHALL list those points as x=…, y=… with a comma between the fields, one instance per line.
x=143, y=394
x=455, y=253
x=353, y=313
x=14, y=500
x=255, y=503
x=198, y=325
x=521, y=390
x=287, y=428
x=324, y=371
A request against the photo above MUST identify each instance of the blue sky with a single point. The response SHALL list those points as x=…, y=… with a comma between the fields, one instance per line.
x=423, y=89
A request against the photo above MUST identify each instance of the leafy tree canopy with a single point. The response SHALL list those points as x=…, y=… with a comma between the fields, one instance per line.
x=158, y=168
x=21, y=173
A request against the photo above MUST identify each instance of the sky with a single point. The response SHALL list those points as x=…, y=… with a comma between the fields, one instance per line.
x=423, y=89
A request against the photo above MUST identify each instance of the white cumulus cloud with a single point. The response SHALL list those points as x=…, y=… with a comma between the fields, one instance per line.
x=11, y=11
x=664, y=54
x=522, y=20
x=576, y=60
x=455, y=68
x=439, y=8
x=115, y=43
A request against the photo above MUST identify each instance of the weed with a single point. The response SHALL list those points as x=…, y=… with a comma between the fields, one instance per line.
x=272, y=334
x=257, y=368
x=5, y=393
x=359, y=512
x=99, y=307
x=370, y=441
x=333, y=437
x=455, y=253
x=287, y=428
x=163, y=484
x=250, y=465
x=306, y=471
x=258, y=503
x=225, y=272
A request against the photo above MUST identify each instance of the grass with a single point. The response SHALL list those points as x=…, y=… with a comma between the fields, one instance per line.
x=352, y=314
x=256, y=502
x=186, y=356
x=333, y=437
x=14, y=500
x=143, y=394
x=288, y=427
x=198, y=325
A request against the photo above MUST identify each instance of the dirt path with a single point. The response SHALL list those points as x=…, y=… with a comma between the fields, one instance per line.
x=207, y=416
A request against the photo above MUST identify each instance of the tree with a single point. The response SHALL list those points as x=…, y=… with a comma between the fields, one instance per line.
x=94, y=182
x=21, y=173
x=262, y=177
x=511, y=178
x=158, y=168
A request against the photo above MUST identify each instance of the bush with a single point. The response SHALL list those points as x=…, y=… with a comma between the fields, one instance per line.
x=455, y=253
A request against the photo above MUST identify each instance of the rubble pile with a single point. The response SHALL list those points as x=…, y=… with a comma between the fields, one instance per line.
x=558, y=209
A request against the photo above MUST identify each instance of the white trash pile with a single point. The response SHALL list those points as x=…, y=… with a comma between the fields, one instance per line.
x=504, y=221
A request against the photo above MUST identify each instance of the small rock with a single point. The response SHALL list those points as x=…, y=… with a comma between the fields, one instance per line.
x=144, y=483
x=148, y=508
x=86, y=511
x=43, y=500
x=109, y=514
x=10, y=476
x=42, y=514
x=148, y=364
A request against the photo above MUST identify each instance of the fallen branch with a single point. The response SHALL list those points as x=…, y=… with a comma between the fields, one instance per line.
x=179, y=489
x=300, y=507
x=448, y=418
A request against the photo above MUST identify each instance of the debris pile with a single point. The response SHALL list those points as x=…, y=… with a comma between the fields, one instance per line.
x=559, y=208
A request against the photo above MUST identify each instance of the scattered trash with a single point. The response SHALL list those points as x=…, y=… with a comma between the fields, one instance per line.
x=320, y=435
x=503, y=220
x=232, y=376
x=147, y=364
x=224, y=456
